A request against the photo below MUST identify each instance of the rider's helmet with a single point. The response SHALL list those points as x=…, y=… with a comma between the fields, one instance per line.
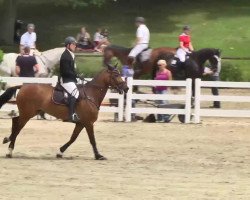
x=69, y=40
x=30, y=26
x=140, y=20
x=186, y=28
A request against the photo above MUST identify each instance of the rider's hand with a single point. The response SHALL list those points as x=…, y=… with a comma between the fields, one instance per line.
x=80, y=76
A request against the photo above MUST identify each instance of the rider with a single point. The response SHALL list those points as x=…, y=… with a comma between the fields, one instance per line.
x=185, y=46
x=28, y=39
x=142, y=39
x=68, y=75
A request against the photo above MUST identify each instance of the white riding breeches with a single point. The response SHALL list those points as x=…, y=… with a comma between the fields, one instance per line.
x=181, y=54
x=137, y=49
x=71, y=88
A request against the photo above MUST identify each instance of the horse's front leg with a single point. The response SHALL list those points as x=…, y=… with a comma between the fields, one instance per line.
x=76, y=132
x=90, y=131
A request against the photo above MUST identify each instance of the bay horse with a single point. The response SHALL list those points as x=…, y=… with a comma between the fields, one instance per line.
x=87, y=108
x=121, y=53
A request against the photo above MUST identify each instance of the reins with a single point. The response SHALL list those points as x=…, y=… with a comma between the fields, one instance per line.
x=85, y=82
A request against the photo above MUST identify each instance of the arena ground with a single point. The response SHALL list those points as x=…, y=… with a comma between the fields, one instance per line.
x=210, y=160
x=169, y=161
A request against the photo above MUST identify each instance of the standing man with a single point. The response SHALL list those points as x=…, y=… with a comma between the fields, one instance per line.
x=214, y=75
x=26, y=65
x=28, y=39
x=142, y=39
x=68, y=76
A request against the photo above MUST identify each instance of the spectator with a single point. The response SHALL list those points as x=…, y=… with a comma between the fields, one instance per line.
x=162, y=74
x=84, y=40
x=28, y=39
x=103, y=40
x=214, y=75
x=26, y=65
x=97, y=37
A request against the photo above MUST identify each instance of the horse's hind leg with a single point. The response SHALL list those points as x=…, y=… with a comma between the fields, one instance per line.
x=76, y=132
x=17, y=125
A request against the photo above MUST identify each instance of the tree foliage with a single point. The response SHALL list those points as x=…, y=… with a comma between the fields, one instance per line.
x=81, y=3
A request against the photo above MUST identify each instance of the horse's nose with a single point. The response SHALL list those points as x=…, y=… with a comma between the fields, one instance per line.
x=126, y=89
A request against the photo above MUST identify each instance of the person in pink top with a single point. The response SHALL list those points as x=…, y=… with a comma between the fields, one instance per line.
x=162, y=74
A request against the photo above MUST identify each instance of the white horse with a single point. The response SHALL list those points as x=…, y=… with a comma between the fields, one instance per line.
x=46, y=61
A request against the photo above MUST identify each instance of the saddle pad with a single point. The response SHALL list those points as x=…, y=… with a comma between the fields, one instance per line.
x=145, y=55
x=59, y=96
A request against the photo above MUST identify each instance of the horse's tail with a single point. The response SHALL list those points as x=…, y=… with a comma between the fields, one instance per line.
x=7, y=95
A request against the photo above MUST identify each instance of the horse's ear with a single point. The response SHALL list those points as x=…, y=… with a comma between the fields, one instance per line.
x=110, y=67
x=220, y=51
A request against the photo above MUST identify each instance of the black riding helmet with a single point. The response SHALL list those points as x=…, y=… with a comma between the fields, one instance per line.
x=186, y=28
x=140, y=19
x=69, y=40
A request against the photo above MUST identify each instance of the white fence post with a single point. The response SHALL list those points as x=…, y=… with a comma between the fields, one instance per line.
x=54, y=80
x=129, y=99
x=188, y=100
x=197, y=100
x=120, y=107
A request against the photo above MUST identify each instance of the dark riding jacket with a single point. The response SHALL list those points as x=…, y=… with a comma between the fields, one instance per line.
x=67, y=67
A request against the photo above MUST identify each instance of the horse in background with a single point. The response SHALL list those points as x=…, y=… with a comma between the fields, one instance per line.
x=46, y=60
x=121, y=53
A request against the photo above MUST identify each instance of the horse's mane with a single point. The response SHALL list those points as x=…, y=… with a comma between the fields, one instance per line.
x=211, y=51
x=120, y=48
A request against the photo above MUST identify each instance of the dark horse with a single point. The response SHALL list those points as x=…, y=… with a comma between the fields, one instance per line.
x=140, y=67
x=193, y=67
x=87, y=108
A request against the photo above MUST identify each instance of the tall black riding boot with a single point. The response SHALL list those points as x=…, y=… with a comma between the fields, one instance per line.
x=72, y=115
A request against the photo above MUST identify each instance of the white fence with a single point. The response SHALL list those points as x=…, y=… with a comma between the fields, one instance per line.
x=19, y=81
x=219, y=112
x=186, y=98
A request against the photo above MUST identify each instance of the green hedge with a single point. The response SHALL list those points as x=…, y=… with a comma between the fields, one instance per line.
x=1, y=55
x=230, y=72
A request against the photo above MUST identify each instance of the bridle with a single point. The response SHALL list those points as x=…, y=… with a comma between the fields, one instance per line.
x=113, y=73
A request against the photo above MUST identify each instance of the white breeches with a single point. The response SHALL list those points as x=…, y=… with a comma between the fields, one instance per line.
x=137, y=49
x=71, y=88
x=181, y=54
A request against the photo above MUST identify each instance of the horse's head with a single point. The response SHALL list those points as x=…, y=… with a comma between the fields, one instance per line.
x=215, y=59
x=114, y=79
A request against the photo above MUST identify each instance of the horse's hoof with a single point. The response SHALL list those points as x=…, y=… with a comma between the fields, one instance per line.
x=8, y=156
x=59, y=155
x=5, y=140
x=101, y=158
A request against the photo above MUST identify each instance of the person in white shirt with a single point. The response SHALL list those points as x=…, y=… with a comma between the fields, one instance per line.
x=28, y=39
x=142, y=38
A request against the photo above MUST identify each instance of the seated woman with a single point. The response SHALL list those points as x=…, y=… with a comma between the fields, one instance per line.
x=84, y=40
x=101, y=39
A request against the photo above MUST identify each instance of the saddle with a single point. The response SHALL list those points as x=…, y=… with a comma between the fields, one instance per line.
x=60, y=96
x=144, y=55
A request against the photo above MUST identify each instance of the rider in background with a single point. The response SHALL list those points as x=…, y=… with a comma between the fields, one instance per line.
x=142, y=39
x=68, y=76
x=28, y=39
x=185, y=46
